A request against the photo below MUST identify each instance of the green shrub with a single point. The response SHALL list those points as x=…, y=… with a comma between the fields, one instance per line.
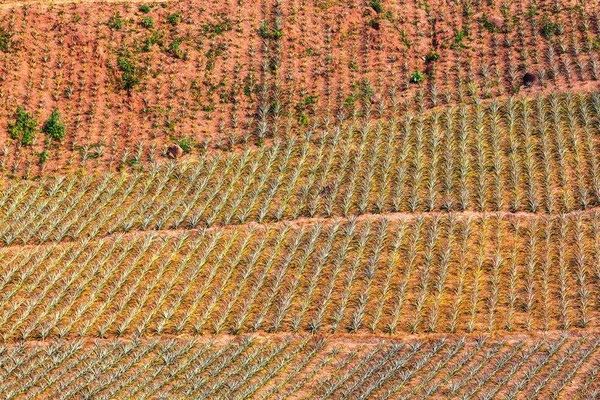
x=267, y=33
x=156, y=37
x=175, y=49
x=23, y=128
x=54, y=127
x=549, y=28
x=459, y=36
x=306, y=101
x=432, y=56
x=376, y=5
x=211, y=29
x=44, y=156
x=186, y=143
x=487, y=24
x=174, y=19
x=130, y=73
x=6, y=42
x=147, y=22
x=349, y=101
x=303, y=119
x=145, y=8
x=116, y=22
x=417, y=77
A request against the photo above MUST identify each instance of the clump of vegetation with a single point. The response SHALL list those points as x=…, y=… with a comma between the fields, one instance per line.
x=131, y=74
x=54, y=127
x=487, y=24
x=550, y=28
x=6, y=41
x=175, y=49
x=144, y=8
x=155, y=38
x=269, y=33
x=349, y=101
x=116, y=22
x=302, y=108
x=147, y=22
x=417, y=77
x=459, y=36
x=213, y=29
x=432, y=56
x=23, y=128
x=376, y=5
x=186, y=143
x=212, y=54
x=174, y=19
x=44, y=156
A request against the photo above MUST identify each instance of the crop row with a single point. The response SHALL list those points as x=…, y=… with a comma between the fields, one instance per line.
x=441, y=273
x=296, y=368
x=535, y=156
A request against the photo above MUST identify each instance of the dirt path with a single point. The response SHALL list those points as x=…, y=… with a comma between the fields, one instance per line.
x=305, y=221
x=348, y=340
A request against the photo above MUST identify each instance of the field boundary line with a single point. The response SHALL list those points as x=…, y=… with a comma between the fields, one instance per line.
x=303, y=221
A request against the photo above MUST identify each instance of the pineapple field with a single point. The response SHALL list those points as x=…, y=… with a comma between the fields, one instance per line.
x=300, y=199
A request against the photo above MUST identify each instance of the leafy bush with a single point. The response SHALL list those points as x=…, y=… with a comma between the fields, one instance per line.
x=156, y=37
x=130, y=73
x=186, y=143
x=175, y=49
x=144, y=8
x=376, y=5
x=44, y=156
x=349, y=101
x=211, y=30
x=147, y=22
x=459, y=36
x=6, y=42
x=432, y=56
x=417, y=77
x=267, y=33
x=116, y=22
x=54, y=127
x=487, y=24
x=306, y=101
x=23, y=128
x=303, y=119
x=174, y=19
x=550, y=28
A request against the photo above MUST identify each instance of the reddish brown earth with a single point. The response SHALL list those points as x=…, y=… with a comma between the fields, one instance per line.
x=328, y=63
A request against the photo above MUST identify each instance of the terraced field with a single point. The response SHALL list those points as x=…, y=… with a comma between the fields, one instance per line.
x=335, y=226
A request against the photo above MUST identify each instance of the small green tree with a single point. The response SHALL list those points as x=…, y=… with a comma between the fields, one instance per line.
x=44, y=156
x=23, y=128
x=267, y=33
x=174, y=19
x=432, y=56
x=376, y=5
x=186, y=143
x=54, y=126
x=147, y=22
x=6, y=42
x=130, y=72
x=116, y=22
x=550, y=28
x=417, y=77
